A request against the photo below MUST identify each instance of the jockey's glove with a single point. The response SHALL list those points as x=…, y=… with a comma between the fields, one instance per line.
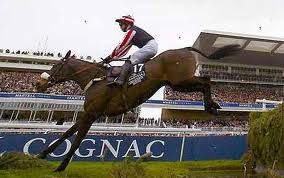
x=107, y=59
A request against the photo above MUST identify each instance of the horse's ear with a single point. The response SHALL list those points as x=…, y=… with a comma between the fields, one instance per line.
x=66, y=56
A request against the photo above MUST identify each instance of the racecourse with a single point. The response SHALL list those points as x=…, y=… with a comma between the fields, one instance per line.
x=153, y=169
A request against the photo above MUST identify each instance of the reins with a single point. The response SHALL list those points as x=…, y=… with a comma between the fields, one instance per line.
x=82, y=70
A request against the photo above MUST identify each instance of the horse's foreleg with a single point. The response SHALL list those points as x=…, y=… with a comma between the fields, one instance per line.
x=83, y=128
x=52, y=147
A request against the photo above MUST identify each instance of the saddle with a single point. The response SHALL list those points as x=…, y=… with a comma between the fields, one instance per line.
x=137, y=75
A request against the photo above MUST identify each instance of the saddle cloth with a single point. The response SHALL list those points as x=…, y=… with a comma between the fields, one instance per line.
x=137, y=74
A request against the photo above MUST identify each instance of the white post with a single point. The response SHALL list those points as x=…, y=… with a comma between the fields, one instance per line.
x=2, y=111
x=74, y=116
x=122, y=118
x=12, y=116
x=182, y=147
x=264, y=106
x=17, y=115
x=34, y=115
x=31, y=116
x=51, y=115
x=48, y=116
x=106, y=120
x=137, y=121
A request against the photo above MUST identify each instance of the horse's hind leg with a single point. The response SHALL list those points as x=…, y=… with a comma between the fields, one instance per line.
x=199, y=84
x=83, y=128
x=52, y=147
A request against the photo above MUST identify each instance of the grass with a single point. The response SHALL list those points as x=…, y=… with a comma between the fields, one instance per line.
x=18, y=160
x=150, y=169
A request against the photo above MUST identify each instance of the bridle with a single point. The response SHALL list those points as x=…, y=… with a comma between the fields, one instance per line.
x=51, y=77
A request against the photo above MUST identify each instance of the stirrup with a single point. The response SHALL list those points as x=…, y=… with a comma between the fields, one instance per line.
x=119, y=83
x=112, y=82
x=116, y=82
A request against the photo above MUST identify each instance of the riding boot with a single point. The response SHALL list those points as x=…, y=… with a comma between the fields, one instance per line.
x=123, y=74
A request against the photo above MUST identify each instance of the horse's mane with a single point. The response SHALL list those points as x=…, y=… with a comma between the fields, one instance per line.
x=89, y=63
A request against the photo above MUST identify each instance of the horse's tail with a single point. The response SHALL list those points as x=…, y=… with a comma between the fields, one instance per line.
x=221, y=52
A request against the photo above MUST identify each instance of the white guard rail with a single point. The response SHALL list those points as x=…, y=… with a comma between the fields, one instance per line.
x=49, y=128
x=96, y=128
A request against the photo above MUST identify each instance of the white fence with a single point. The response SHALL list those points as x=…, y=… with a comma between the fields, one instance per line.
x=52, y=128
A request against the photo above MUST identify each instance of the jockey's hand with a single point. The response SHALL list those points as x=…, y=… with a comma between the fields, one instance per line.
x=107, y=59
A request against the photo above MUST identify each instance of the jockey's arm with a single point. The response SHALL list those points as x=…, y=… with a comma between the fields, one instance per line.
x=123, y=47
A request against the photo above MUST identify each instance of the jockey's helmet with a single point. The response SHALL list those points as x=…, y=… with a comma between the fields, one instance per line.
x=126, y=19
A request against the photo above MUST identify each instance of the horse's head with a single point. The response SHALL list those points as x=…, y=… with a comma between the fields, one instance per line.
x=57, y=74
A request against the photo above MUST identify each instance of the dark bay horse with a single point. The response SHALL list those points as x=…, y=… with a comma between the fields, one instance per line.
x=175, y=68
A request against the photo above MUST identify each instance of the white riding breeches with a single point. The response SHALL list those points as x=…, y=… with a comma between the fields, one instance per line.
x=146, y=52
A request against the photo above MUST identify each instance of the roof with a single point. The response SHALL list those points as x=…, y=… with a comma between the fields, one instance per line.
x=23, y=57
x=256, y=50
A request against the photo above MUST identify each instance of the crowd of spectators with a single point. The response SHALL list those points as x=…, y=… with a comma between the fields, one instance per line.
x=40, y=53
x=242, y=77
x=133, y=133
x=220, y=123
x=148, y=122
x=163, y=134
x=223, y=92
x=46, y=54
x=229, y=122
x=231, y=92
x=174, y=123
x=24, y=81
x=215, y=123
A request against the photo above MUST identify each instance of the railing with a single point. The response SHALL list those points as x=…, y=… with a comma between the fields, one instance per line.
x=47, y=102
x=52, y=128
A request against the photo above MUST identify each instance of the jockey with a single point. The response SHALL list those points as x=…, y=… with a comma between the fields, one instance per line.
x=147, y=45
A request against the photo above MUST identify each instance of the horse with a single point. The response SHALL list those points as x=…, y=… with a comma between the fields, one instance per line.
x=175, y=68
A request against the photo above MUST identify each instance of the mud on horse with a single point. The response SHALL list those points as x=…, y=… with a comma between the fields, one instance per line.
x=175, y=68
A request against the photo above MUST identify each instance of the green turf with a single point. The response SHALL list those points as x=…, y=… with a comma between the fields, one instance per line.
x=150, y=169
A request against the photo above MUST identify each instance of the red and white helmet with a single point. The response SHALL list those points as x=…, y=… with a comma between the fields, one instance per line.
x=127, y=19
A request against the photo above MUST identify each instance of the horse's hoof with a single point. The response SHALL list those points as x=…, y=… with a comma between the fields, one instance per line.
x=40, y=156
x=62, y=166
x=217, y=106
x=59, y=169
x=212, y=108
x=215, y=112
